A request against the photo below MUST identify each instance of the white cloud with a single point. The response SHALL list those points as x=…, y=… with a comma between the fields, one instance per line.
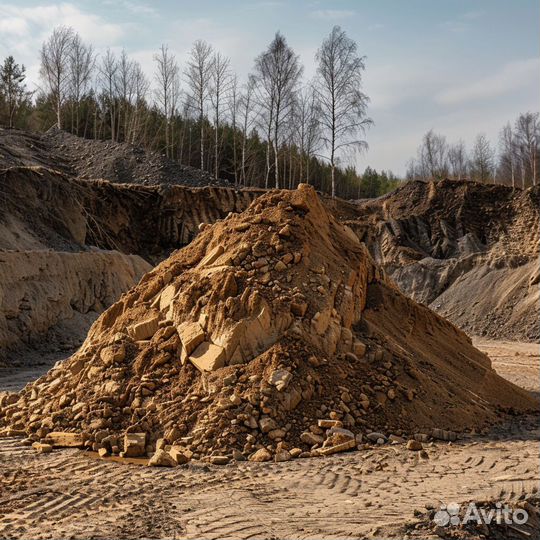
x=332, y=14
x=23, y=30
x=15, y=26
x=136, y=8
x=508, y=79
x=38, y=21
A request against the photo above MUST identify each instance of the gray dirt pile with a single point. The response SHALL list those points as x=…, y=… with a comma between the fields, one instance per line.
x=272, y=335
x=89, y=159
x=445, y=244
x=123, y=163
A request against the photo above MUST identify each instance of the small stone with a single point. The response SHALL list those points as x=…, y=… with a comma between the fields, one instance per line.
x=310, y=438
x=42, y=448
x=276, y=434
x=134, y=444
x=260, y=456
x=327, y=423
x=280, y=378
x=359, y=349
x=237, y=455
x=285, y=231
x=179, y=455
x=342, y=447
x=374, y=436
x=162, y=459
x=267, y=424
x=219, y=460
x=103, y=452
x=299, y=308
x=235, y=399
x=282, y=455
x=414, y=445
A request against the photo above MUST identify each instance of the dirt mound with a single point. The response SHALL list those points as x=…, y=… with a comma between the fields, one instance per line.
x=446, y=243
x=272, y=335
x=123, y=163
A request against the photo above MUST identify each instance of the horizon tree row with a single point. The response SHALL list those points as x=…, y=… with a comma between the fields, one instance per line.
x=514, y=163
x=272, y=130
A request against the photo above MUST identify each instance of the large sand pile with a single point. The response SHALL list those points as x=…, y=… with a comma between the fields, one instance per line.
x=273, y=334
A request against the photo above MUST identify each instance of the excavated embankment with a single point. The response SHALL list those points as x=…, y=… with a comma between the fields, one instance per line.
x=445, y=244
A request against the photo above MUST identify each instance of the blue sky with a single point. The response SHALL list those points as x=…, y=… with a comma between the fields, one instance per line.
x=459, y=66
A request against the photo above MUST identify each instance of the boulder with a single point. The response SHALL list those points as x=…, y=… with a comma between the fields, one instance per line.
x=310, y=438
x=280, y=378
x=282, y=455
x=261, y=455
x=134, y=445
x=161, y=459
x=208, y=357
x=42, y=448
x=191, y=335
x=414, y=445
x=179, y=455
x=63, y=439
x=144, y=329
x=341, y=447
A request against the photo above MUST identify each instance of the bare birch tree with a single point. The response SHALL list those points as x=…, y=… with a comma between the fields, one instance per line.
x=457, y=160
x=307, y=129
x=343, y=105
x=527, y=135
x=107, y=75
x=247, y=120
x=220, y=88
x=198, y=76
x=482, y=160
x=168, y=88
x=508, y=155
x=277, y=71
x=54, y=70
x=81, y=65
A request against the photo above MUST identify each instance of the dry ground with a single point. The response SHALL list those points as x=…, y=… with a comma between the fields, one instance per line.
x=372, y=493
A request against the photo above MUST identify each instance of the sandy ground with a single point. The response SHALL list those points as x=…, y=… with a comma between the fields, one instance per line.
x=371, y=493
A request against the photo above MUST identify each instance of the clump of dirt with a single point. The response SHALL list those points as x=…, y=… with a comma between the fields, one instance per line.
x=123, y=163
x=446, y=243
x=272, y=335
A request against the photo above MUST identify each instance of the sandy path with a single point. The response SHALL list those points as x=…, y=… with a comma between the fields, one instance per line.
x=371, y=493
x=516, y=361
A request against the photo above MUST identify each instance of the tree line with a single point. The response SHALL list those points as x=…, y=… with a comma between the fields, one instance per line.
x=514, y=163
x=272, y=130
